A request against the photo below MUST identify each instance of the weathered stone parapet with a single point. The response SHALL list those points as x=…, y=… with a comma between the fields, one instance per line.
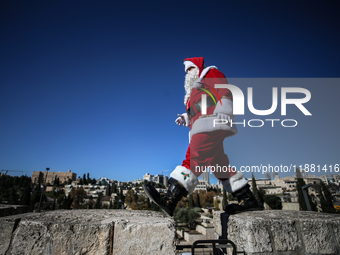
x=78, y=232
x=6, y=210
x=282, y=232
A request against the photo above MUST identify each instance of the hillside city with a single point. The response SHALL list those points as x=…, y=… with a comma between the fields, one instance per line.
x=49, y=190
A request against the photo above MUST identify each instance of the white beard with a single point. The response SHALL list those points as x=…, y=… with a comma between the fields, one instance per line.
x=190, y=78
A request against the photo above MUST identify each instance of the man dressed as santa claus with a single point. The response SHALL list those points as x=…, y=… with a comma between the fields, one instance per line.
x=209, y=114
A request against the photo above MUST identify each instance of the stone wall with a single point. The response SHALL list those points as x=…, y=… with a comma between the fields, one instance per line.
x=106, y=232
x=281, y=232
x=291, y=206
x=77, y=232
x=207, y=232
x=190, y=238
x=6, y=210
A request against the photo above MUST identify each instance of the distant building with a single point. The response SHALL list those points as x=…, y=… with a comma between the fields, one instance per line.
x=104, y=181
x=165, y=181
x=138, y=181
x=205, y=176
x=327, y=179
x=220, y=185
x=148, y=177
x=202, y=185
x=312, y=181
x=49, y=177
x=159, y=178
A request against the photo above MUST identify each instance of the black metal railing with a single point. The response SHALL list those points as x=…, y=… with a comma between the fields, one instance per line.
x=214, y=247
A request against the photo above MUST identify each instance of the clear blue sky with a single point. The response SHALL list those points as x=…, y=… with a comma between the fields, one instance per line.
x=95, y=86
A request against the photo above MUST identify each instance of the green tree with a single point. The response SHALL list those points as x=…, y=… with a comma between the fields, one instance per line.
x=273, y=201
x=88, y=179
x=191, y=201
x=326, y=199
x=108, y=189
x=116, y=204
x=148, y=203
x=225, y=199
x=56, y=182
x=84, y=179
x=130, y=197
x=97, y=205
x=35, y=198
x=26, y=195
x=208, y=199
x=114, y=188
x=13, y=198
x=197, y=202
x=77, y=196
x=186, y=215
x=65, y=202
x=217, y=204
x=299, y=184
x=256, y=192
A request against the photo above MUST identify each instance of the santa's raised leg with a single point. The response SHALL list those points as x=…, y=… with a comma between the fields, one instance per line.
x=205, y=150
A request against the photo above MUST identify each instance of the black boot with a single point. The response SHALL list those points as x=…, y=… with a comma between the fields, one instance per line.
x=246, y=201
x=168, y=201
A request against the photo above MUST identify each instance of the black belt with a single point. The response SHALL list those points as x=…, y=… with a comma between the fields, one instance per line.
x=196, y=108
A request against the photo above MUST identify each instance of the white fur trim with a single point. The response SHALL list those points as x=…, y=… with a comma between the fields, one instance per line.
x=220, y=120
x=234, y=183
x=206, y=70
x=226, y=107
x=189, y=181
x=187, y=65
x=210, y=123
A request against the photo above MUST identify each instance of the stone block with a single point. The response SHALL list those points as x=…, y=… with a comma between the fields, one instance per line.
x=249, y=234
x=144, y=236
x=282, y=232
x=190, y=238
x=76, y=232
x=217, y=222
x=285, y=236
x=317, y=237
x=7, y=226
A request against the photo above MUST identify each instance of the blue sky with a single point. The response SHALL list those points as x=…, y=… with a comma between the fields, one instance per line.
x=95, y=86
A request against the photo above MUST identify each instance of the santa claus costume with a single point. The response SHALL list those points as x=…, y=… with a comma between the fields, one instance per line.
x=209, y=114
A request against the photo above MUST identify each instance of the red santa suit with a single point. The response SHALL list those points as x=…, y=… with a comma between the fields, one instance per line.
x=206, y=131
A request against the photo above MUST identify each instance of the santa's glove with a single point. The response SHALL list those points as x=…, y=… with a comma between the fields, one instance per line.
x=183, y=119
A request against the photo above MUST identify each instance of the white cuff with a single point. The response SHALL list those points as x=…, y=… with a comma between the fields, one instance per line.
x=210, y=123
x=226, y=107
x=185, y=177
x=234, y=183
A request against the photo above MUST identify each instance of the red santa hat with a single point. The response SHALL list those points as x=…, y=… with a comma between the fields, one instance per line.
x=197, y=62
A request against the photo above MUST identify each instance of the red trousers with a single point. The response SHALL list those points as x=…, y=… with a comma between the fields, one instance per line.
x=206, y=150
